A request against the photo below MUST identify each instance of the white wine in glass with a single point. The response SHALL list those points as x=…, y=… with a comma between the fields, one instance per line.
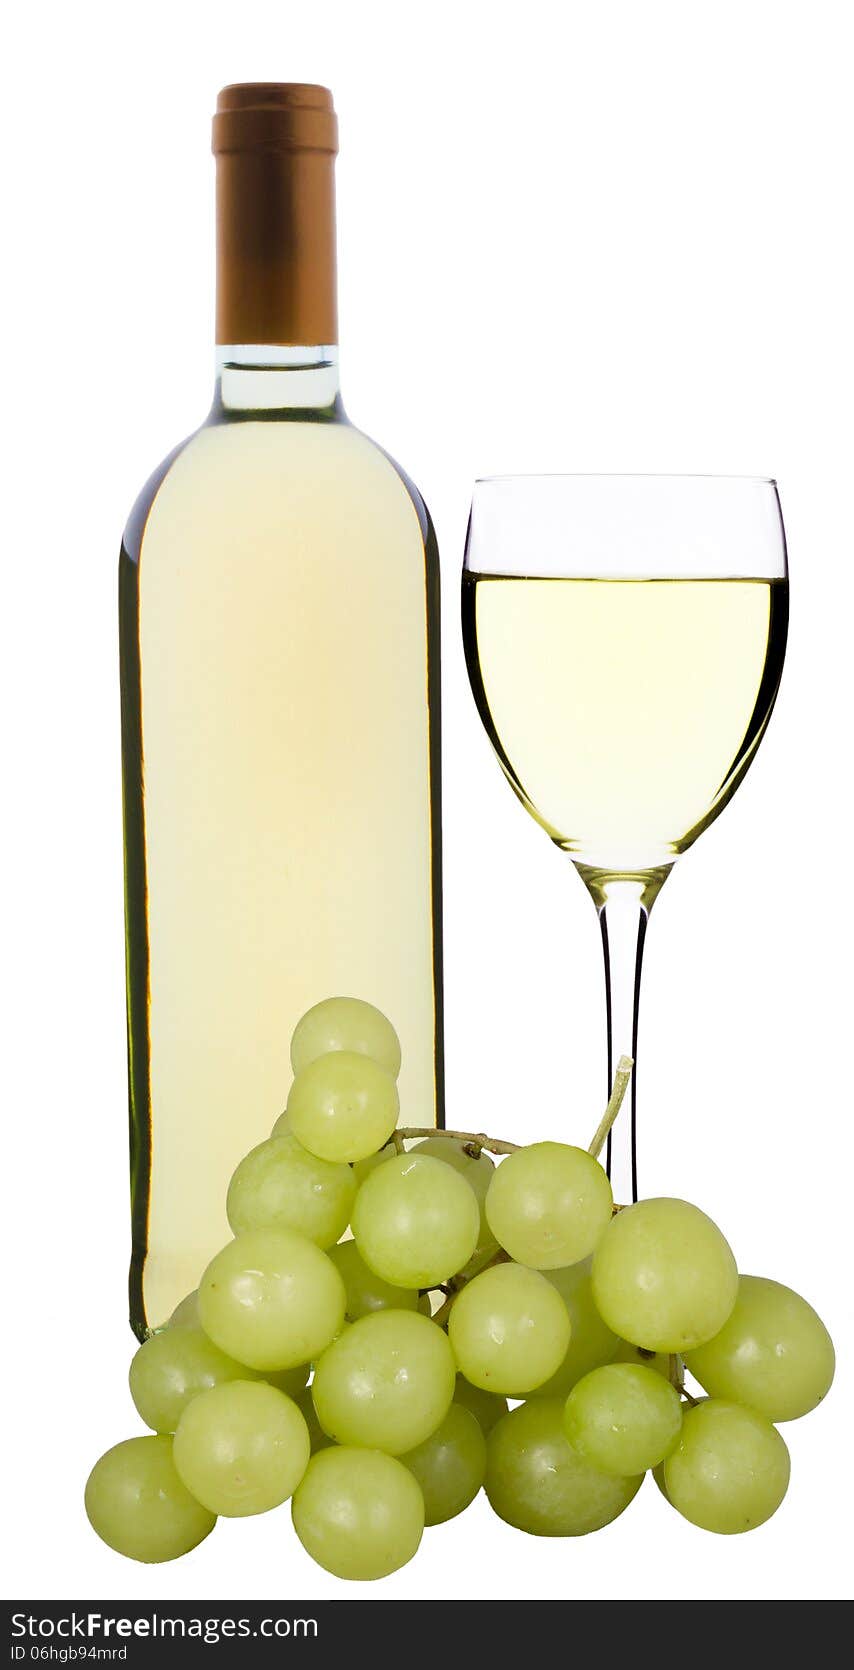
x=625, y=639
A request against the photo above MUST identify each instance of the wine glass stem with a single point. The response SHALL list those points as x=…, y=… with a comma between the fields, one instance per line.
x=623, y=918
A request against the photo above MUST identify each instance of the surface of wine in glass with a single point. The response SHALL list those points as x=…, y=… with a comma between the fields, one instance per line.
x=625, y=637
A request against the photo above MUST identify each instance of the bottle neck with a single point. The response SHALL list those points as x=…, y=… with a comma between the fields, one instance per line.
x=276, y=304
x=276, y=378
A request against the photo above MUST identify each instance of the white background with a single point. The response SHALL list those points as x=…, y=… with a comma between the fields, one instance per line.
x=572, y=236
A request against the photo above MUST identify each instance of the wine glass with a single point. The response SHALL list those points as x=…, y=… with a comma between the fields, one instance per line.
x=624, y=637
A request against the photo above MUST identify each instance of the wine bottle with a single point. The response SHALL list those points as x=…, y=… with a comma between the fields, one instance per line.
x=279, y=626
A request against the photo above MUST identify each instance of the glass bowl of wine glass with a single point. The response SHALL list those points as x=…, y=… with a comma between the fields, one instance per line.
x=624, y=637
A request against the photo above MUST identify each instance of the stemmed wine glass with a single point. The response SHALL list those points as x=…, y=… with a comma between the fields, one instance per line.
x=625, y=637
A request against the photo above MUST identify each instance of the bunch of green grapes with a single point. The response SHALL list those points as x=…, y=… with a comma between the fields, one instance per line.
x=365, y=1376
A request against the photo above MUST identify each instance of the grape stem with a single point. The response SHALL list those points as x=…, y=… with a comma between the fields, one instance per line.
x=676, y=1376
x=621, y=1083
x=473, y=1141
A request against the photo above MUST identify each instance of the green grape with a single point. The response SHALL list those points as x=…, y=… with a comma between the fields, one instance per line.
x=241, y=1448
x=358, y=1513
x=291, y=1381
x=386, y=1383
x=363, y=1168
x=279, y=1184
x=345, y=1023
x=449, y=1465
x=479, y=1173
x=271, y=1299
x=367, y=1292
x=548, y=1205
x=663, y=1276
x=660, y=1361
x=622, y=1418
x=416, y=1221
x=172, y=1368
x=318, y=1439
x=730, y=1470
x=139, y=1506
x=186, y=1314
x=343, y=1106
x=591, y=1342
x=509, y=1329
x=487, y=1407
x=773, y=1353
x=536, y=1481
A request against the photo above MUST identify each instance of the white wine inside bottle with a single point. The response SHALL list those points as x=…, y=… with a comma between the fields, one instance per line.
x=279, y=625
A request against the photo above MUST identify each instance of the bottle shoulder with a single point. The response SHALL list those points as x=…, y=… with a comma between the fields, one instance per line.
x=135, y=525
x=264, y=464
x=411, y=491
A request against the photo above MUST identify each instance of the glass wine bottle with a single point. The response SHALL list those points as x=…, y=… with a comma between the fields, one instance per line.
x=279, y=623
